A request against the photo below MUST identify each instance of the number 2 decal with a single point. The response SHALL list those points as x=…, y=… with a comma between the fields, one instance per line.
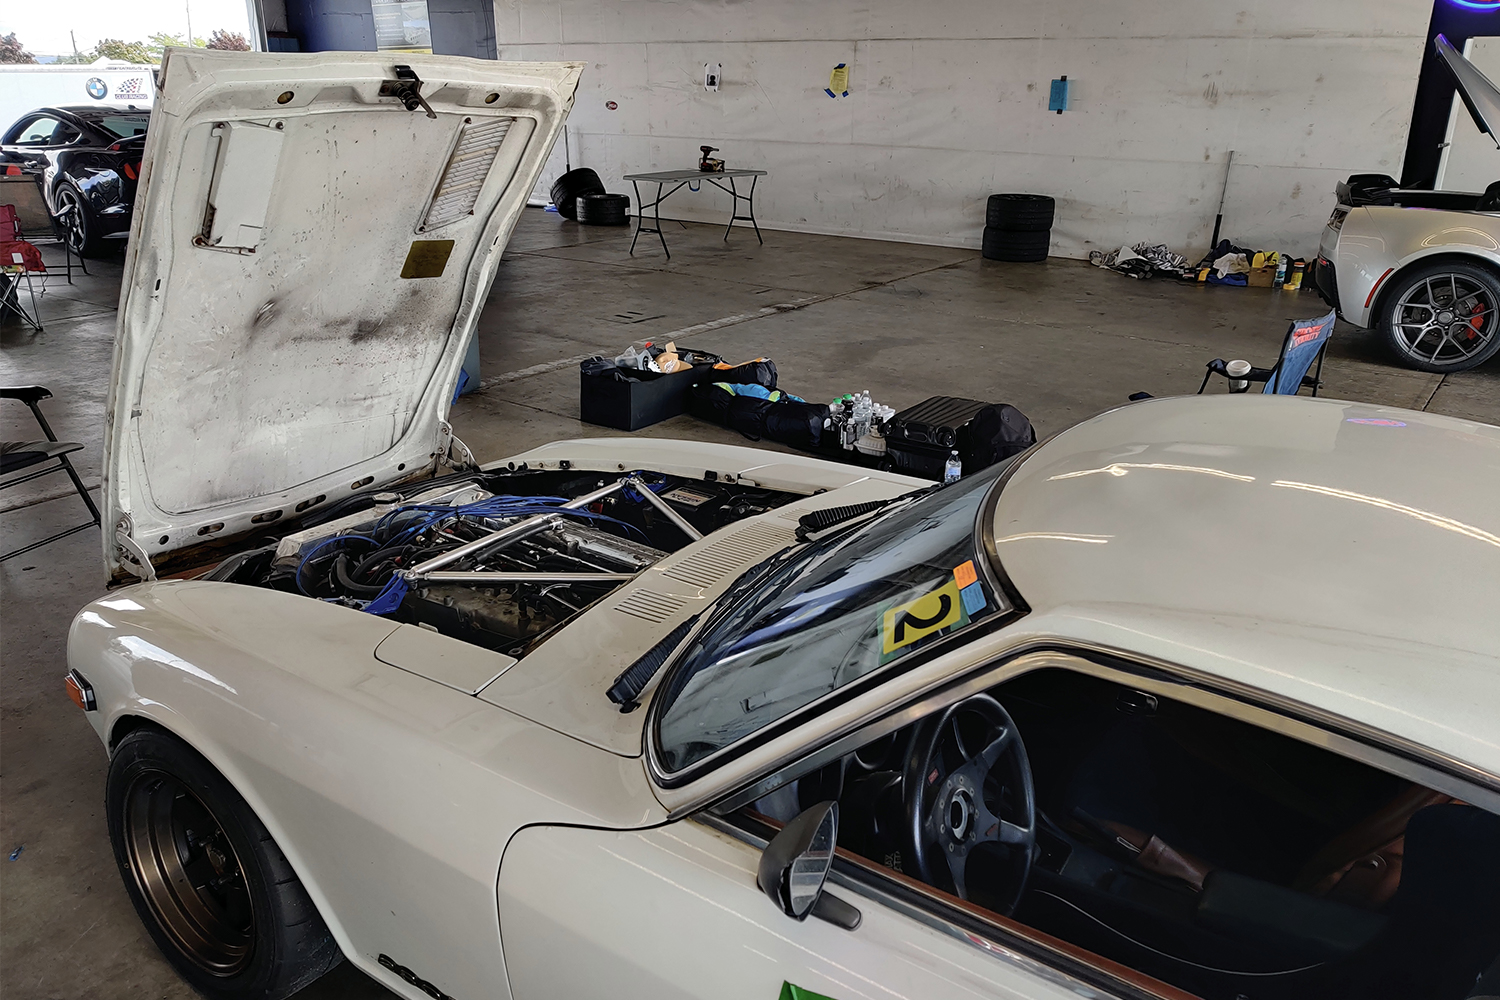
x=932, y=612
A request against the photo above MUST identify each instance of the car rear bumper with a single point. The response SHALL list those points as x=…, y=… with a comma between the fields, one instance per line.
x=1325, y=281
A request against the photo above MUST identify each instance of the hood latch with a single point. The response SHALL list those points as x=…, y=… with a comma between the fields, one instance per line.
x=407, y=88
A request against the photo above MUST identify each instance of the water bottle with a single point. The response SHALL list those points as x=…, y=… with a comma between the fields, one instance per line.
x=953, y=468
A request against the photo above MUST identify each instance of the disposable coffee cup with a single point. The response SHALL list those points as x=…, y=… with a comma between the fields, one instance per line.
x=1237, y=370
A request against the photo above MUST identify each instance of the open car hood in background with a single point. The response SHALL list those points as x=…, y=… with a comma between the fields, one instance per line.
x=1480, y=96
x=307, y=263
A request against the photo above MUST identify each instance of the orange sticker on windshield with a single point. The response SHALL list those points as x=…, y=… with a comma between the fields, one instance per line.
x=906, y=623
x=965, y=574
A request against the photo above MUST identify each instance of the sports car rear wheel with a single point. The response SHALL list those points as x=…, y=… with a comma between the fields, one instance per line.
x=79, y=228
x=212, y=887
x=1444, y=317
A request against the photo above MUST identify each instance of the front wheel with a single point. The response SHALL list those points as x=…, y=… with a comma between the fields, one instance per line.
x=206, y=878
x=1444, y=317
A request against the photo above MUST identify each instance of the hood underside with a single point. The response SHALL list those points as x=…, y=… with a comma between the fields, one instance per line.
x=1480, y=96
x=314, y=238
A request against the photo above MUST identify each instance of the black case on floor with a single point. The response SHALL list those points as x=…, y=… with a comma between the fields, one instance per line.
x=919, y=439
x=653, y=397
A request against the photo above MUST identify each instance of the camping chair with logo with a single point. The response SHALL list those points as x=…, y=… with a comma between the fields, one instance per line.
x=16, y=456
x=19, y=260
x=1306, y=342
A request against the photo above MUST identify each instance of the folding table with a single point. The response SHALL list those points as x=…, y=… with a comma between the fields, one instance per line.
x=683, y=178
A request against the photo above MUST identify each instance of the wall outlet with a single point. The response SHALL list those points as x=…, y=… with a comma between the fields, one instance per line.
x=711, y=73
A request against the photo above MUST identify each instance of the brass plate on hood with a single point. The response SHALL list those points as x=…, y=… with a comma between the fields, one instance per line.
x=427, y=258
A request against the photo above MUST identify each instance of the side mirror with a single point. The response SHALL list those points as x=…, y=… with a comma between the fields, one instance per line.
x=795, y=865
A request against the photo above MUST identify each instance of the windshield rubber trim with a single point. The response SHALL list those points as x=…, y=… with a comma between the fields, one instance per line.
x=994, y=577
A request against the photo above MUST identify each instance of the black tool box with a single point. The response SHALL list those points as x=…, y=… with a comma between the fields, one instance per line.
x=920, y=438
x=639, y=398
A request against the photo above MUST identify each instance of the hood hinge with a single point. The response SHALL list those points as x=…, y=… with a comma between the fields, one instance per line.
x=452, y=452
x=132, y=557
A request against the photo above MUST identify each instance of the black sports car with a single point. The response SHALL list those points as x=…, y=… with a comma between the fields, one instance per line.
x=87, y=159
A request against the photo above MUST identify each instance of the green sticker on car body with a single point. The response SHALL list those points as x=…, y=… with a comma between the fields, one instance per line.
x=790, y=992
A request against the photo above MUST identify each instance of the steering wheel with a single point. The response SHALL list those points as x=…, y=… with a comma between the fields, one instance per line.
x=943, y=792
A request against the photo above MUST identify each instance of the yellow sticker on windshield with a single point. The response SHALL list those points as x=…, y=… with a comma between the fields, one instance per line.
x=906, y=623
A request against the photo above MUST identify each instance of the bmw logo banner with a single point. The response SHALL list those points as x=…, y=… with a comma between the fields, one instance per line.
x=96, y=88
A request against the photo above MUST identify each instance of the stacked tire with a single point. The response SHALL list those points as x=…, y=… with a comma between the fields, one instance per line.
x=1018, y=227
x=568, y=188
x=603, y=209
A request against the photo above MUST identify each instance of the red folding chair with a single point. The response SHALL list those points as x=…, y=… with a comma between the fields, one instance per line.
x=19, y=260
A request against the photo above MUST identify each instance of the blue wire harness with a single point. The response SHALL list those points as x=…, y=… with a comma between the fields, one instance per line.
x=406, y=524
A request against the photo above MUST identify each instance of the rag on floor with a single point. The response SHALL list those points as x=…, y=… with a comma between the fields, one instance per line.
x=1142, y=261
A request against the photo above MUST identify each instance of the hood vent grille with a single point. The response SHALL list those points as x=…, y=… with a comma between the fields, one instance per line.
x=465, y=174
x=650, y=606
x=731, y=556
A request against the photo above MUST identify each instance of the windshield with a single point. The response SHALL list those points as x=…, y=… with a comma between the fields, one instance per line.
x=828, y=614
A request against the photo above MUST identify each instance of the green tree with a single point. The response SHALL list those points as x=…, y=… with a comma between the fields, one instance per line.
x=12, y=51
x=231, y=41
x=161, y=41
x=114, y=48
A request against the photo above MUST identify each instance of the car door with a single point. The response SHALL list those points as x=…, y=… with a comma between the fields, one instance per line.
x=29, y=141
x=675, y=912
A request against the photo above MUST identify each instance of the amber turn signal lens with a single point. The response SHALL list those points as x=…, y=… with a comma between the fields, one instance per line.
x=80, y=691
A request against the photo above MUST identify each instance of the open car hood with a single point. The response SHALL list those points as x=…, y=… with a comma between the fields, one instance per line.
x=311, y=249
x=1481, y=97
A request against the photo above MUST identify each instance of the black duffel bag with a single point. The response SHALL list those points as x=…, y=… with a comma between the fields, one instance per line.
x=784, y=420
x=994, y=434
x=759, y=372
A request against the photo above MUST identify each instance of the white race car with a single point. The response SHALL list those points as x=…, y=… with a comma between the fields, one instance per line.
x=1421, y=267
x=1197, y=698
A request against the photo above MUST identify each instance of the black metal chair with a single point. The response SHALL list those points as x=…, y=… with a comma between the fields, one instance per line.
x=16, y=456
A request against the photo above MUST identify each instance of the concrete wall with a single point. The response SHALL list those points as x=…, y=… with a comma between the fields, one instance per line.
x=948, y=103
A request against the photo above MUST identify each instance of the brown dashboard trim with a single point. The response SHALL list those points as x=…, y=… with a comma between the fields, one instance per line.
x=1141, y=981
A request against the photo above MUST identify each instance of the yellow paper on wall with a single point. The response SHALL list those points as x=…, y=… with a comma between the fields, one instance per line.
x=838, y=81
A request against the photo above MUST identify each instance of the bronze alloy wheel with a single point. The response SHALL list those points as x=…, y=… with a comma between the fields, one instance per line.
x=189, y=873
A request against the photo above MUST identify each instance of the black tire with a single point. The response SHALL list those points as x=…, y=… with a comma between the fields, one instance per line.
x=1423, y=333
x=1020, y=213
x=1000, y=244
x=79, y=226
x=567, y=188
x=246, y=928
x=603, y=209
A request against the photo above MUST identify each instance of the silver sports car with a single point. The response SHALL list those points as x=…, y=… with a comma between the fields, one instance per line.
x=1422, y=267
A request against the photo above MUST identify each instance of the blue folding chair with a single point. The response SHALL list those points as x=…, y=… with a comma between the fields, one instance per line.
x=1305, y=343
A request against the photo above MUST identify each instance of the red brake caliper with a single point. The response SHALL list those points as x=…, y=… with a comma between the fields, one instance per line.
x=1477, y=323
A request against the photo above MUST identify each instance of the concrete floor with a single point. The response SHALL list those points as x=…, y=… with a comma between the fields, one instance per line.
x=1060, y=340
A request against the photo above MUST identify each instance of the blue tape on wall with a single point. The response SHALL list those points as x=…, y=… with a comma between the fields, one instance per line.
x=1057, y=100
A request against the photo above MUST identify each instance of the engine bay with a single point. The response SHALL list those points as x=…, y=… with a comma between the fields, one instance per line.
x=501, y=559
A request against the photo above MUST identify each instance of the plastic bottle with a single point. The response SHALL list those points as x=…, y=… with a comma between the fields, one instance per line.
x=1282, y=263
x=953, y=468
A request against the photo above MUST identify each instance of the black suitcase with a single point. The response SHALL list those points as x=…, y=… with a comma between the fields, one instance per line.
x=919, y=439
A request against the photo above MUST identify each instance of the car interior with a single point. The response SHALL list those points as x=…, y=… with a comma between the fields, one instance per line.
x=47, y=132
x=1224, y=859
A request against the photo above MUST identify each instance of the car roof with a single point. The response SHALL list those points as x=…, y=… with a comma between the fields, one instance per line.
x=1338, y=554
